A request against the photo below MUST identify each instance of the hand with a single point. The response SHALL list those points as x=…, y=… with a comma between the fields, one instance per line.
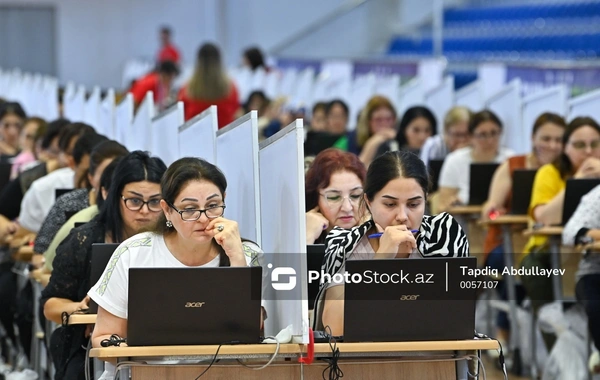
x=38, y=260
x=396, y=241
x=590, y=168
x=83, y=305
x=488, y=207
x=316, y=223
x=386, y=134
x=228, y=238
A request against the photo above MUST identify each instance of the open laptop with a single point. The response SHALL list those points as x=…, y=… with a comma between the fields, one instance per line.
x=435, y=168
x=60, y=192
x=522, y=186
x=440, y=308
x=101, y=254
x=314, y=260
x=574, y=190
x=193, y=306
x=479, y=182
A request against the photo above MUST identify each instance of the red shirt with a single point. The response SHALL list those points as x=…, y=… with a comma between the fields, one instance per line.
x=168, y=53
x=226, y=107
x=150, y=82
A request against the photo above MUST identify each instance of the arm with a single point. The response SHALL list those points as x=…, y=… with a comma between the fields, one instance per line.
x=370, y=148
x=107, y=324
x=585, y=221
x=499, y=190
x=447, y=196
x=551, y=212
x=333, y=310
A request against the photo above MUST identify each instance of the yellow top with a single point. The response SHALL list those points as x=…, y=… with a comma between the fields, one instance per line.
x=547, y=184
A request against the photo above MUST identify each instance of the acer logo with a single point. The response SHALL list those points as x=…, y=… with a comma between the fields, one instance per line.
x=409, y=297
x=194, y=304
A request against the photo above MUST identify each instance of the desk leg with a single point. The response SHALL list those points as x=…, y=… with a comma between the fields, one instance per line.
x=555, y=262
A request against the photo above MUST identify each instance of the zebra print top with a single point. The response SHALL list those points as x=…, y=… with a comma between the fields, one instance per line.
x=439, y=236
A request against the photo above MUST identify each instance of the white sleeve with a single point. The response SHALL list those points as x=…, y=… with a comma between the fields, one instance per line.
x=111, y=292
x=587, y=215
x=425, y=150
x=255, y=257
x=450, y=173
x=30, y=216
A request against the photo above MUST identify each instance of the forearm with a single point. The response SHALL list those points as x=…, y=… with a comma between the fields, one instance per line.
x=368, y=152
x=55, y=306
x=594, y=234
x=551, y=212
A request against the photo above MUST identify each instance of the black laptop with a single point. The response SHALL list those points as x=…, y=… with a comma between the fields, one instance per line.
x=194, y=306
x=574, y=190
x=479, y=182
x=435, y=168
x=434, y=301
x=101, y=254
x=60, y=192
x=522, y=187
x=314, y=260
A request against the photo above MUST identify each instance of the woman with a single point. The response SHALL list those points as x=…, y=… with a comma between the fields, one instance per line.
x=396, y=190
x=456, y=136
x=12, y=118
x=485, y=130
x=253, y=59
x=208, y=86
x=33, y=130
x=132, y=205
x=416, y=126
x=376, y=125
x=191, y=232
x=334, y=188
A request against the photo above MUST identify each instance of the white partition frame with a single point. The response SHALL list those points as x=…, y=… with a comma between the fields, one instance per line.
x=198, y=136
x=471, y=96
x=237, y=157
x=164, y=133
x=106, y=115
x=507, y=105
x=411, y=94
x=440, y=100
x=587, y=104
x=91, y=110
x=124, y=121
x=284, y=230
x=551, y=99
x=74, y=103
x=140, y=133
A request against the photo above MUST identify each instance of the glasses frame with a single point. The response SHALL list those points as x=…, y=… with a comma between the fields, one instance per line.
x=180, y=212
x=343, y=198
x=144, y=203
x=575, y=144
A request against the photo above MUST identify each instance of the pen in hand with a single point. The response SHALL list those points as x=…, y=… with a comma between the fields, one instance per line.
x=372, y=236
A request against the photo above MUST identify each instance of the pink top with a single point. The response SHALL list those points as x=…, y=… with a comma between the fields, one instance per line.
x=21, y=161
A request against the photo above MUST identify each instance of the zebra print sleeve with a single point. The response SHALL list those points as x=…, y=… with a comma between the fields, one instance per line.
x=442, y=236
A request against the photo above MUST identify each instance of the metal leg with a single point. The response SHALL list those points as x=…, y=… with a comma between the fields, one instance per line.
x=511, y=288
x=555, y=261
x=533, y=346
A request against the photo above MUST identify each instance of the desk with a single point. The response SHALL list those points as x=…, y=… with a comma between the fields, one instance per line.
x=397, y=360
x=82, y=319
x=554, y=235
x=465, y=209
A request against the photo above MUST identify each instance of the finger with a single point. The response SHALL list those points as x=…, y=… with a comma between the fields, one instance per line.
x=316, y=209
x=214, y=222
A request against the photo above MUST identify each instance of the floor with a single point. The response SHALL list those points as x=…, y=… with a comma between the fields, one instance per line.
x=493, y=373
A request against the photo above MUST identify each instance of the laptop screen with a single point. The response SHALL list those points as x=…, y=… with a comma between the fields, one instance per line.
x=435, y=167
x=314, y=259
x=522, y=186
x=479, y=182
x=574, y=190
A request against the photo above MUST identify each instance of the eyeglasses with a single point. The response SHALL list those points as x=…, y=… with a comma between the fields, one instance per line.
x=581, y=145
x=193, y=215
x=136, y=204
x=335, y=198
x=486, y=135
x=382, y=119
x=16, y=125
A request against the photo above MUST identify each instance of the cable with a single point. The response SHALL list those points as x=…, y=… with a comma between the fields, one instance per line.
x=114, y=340
x=500, y=350
x=211, y=363
x=270, y=360
x=88, y=376
x=335, y=372
x=480, y=364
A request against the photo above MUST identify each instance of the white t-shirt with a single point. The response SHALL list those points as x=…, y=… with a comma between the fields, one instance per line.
x=456, y=170
x=145, y=250
x=40, y=197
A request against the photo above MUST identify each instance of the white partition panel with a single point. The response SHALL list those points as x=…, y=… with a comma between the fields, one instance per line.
x=74, y=103
x=124, y=121
x=363, y=89
x=139, y=136
x=302, y=95
x=237, y=157
x=164, y=135
x=106, y=115
x=281, y=159
x=471, y=96
x=411, y=94
x=389, y=86
x=91, y=111
x=49, y=106
x=552, y=99
x=198, y=136
x=587, y=104
x=507, y=105
x=440, y=99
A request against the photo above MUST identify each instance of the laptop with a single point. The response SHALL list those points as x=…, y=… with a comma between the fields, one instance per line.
x=314, y=260
x=522, y=186
x=435, y=168
x=60, y=192
x=316, y=142
x=574, y=190
x=101, y=254
x=479, y=182
x=435, y=300
x=193, y=306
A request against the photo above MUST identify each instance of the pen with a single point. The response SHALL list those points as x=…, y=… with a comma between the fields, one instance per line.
x=381, y=233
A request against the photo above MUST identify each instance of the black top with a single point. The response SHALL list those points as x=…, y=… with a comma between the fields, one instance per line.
x=12, y=194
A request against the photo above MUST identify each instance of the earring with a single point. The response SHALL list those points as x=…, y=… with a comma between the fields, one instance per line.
x=169, y=224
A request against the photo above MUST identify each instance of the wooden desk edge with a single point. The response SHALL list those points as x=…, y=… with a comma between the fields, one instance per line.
x=544, y=231
x=505, y=219
x=126, y=352
x=465, y=209
x=82, y=319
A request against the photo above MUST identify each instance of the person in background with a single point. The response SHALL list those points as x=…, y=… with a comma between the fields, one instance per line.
x=318, y=121
x=456, y=136
x=417, y=125
x=34, y=128
x=159, y=81
x=333, y=191
x=337, y=122
x=168, y=51
x=253, y=58
x=485, y=130
x=376, y=125
x=208, y=86
x=12, y=118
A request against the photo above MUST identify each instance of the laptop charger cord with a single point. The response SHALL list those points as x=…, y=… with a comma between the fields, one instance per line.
x=335, y=372
x=500, y=357
x=114, y=340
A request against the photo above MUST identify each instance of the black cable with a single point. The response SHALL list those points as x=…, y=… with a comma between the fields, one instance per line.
x=500, y=357
x=114, y=340
x=211, y=363
x=335, y=372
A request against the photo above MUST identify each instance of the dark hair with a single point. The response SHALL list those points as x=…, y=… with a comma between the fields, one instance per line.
x=481, y=117
x=338, y=102
x=548, y=117
x=325, y=164
x=12, y=108
x=135, y=167
x=563, y=163
x=167, y=67
x=254, y=57
x=53, y=131
x=106, y=180
x=409, y=115
x=165, y=29
x=257, y=93
x=85, y=144
x=179, y=174
x=105, y=150
x=71, y=131
x=392, y=165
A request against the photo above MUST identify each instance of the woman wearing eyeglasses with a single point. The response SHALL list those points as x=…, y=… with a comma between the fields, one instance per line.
x=132, y=205
x=333, y=190
x=485, y=130
x=191, y=232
